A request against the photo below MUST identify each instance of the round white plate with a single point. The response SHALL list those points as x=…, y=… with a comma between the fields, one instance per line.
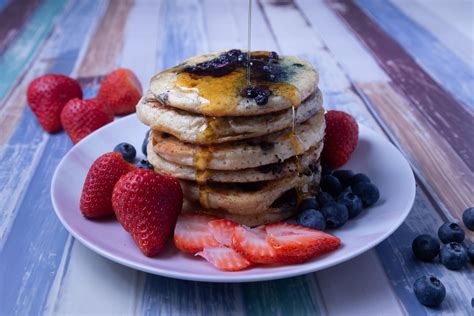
x=375, y=156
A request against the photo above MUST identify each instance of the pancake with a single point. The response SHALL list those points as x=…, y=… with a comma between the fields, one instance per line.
x=244, y=154
x=198, y=129
x=218, y=91
x=243, y=198
x=289, y=167
x=273, y=214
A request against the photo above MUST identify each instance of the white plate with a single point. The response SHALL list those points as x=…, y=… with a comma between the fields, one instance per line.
x=375, y=156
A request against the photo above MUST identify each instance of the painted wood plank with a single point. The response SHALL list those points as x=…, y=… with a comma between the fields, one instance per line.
x=20, y=53
x=36, y=238
x=13, y=17
x=107, y=42
x=435, y=58
x=435, y=104
x=458, y=13
x=456, y=41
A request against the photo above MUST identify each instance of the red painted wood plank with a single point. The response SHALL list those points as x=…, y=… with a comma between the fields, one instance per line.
x=449, y=117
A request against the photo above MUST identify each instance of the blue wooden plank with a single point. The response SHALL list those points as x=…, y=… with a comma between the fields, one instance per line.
x=403, y=269
x=438, y=60
x=33, y=247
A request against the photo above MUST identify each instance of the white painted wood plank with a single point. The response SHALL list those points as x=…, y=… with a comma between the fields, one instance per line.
x=458, y=42
x=353, y=56
x=458, y=13
x=364, y=278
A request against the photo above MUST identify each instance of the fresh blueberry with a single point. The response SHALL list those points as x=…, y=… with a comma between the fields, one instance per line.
x=128, y=151
x=425, y=247
x=331, y=185
x=344, y=176
x=313, y=219
x=323, y=198
x=145, y=143
x=352, y=202
x=453, y=256
x=145, y=164
x=309, y=203
x=470, y=253
x=368, y=192
x=429, y=291
x=336, y=214
x=326, y=171
x=468, y=218
x=360, y=177
x=451, y=232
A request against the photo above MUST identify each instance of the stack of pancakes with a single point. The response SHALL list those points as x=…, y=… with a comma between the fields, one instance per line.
x=245, y=148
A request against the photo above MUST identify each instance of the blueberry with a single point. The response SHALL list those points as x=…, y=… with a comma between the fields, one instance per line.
x=425, y=247
x=360, y=177
x=309, y=203
x=145, y=143
x=128, y=151
x=323, y=198
x=313, y=219
x=144, y=164
x=453, y=256
x=344, y=176
x=336, y=214
x=331, y=185
x=470, y=253
x=429, y=291
x=468, y=218
x=451, y=232
x=352, y=202
x=326, y=171
x=368, y=192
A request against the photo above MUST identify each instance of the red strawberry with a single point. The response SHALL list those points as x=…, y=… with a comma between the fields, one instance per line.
x=82, y=117
x=253, y=245
x=47, y=96
x=222, y=230
x=224, y=258
x=96, y=197
x=121, y=90
x=340, y=141
x=296, y=244
x=147, y=205
x=192, y=233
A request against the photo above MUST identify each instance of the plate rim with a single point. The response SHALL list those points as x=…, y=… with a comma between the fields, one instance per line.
x=232, y=277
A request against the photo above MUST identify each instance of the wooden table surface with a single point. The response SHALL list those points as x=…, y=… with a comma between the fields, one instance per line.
x=403, y=68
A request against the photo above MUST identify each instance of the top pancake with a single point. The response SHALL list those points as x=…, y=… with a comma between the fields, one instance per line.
x=291, y=81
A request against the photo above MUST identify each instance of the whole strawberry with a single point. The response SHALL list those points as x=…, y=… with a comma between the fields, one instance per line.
x=147, y=205
x=96, y=197
x=47, y=96
x=340, y=141
x=82, y=117
x=121, y=90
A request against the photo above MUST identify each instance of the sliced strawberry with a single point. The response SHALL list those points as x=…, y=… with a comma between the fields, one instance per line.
x=192, y=233
x=222, y=230
x=253, y=245
x=296, y=244
x=224, y=258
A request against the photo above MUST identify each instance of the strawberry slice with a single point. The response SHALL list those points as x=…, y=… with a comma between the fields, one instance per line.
x=222, y=230
x=253, y=245
x=296, y=244
x=192, y=233
x=224, y=258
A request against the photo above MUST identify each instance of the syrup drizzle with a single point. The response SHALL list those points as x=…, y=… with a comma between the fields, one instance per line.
x=249, y=37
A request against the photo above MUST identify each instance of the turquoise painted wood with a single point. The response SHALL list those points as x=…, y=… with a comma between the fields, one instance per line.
x=46, y=271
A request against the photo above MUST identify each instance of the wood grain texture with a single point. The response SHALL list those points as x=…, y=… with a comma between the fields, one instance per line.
x=19, y=54
x=434, y=57
x=106, y=44
x=438, y=107
x=36, y=239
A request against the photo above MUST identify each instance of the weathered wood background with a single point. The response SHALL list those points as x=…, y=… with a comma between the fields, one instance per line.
x=404, y=68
